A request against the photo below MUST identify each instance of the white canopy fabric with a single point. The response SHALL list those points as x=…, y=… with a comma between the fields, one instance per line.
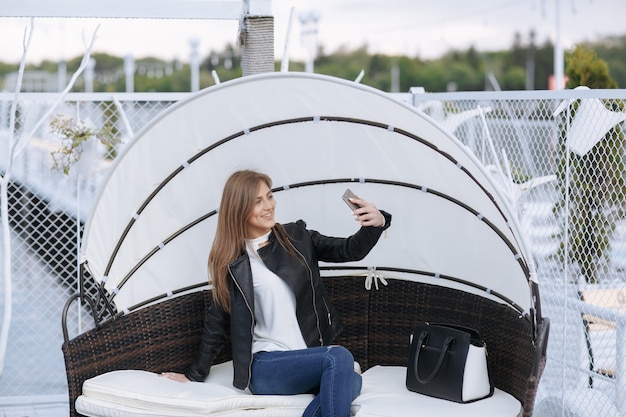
x=152, y=225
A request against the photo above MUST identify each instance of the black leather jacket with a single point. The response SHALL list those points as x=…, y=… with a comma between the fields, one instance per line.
x=317, y=318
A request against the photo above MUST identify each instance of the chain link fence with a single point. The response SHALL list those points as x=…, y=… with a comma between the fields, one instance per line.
x=47, y=209
x=559, y=156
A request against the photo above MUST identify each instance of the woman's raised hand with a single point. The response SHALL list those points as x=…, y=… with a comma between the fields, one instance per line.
x=367, y=214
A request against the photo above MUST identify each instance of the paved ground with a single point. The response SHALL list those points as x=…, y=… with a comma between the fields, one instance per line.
x=37, y=410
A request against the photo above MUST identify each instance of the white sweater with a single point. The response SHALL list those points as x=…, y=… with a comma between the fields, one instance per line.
x=276, y=326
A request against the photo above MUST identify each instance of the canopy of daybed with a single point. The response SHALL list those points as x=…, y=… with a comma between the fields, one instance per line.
x=153, y=221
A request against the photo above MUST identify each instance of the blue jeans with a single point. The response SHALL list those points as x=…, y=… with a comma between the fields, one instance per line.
x=327, y=371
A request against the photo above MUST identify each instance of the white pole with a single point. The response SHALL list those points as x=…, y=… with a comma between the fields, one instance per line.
x=620, y=356
x=62, y=75
x=129, y=72
x=89, y=75
x=78, y=277
x=558, y=49
x=284, y=66
x=194, y=64
x=309, y=20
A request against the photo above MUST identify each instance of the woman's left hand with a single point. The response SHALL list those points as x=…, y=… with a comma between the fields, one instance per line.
x=367, y=214
x=174, y=376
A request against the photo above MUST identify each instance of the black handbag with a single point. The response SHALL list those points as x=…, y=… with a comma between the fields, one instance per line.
x=448, y=362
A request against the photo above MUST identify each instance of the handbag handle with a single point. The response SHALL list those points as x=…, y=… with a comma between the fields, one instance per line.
x=446, y=344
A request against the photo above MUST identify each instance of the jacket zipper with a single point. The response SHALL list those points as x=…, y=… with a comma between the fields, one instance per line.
x=330, y=321
x=317, y=316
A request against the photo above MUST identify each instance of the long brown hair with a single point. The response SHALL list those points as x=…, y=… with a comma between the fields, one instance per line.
x=238, y=199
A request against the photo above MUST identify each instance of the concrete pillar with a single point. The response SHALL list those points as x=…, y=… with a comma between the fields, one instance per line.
x=256, y=38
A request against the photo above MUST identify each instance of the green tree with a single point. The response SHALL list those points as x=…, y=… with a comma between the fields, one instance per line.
x=464, y=69
x=544, y=58
x=585, y=68
x=592, y=185
x=514, y=78
x=4, y=70
x=344, y=63
x=516, y=57
x=612, y=49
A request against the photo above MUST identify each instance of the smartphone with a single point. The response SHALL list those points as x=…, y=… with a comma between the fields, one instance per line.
x=346, y=197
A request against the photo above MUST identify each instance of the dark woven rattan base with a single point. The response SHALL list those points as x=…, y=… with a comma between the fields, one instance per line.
x=378, y=324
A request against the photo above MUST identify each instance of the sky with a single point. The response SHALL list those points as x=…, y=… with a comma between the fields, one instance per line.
x=426, y=29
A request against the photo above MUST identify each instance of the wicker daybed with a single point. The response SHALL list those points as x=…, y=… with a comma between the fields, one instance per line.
x=165, y=336
x=454, y=252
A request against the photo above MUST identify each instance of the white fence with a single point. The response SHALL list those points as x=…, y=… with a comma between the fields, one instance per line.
x=571, y=205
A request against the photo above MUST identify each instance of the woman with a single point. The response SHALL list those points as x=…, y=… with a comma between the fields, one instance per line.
x=268, y=292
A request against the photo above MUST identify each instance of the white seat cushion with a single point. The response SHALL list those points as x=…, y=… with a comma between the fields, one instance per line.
x=384, y=394
x=96, y=408
x=131, y=393
x=140, y=393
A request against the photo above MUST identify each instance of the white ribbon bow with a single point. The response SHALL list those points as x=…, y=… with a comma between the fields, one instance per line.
x=373, y=276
